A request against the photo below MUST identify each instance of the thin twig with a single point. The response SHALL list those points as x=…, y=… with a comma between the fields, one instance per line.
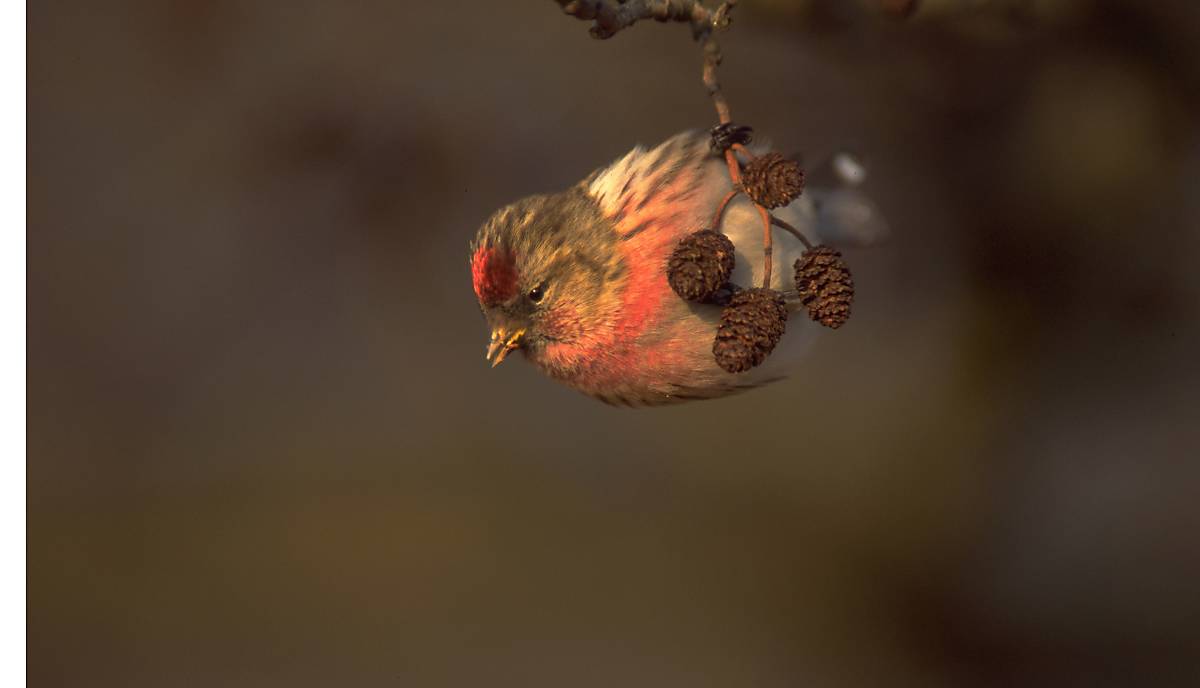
x=611, y=16
x=795, y=232
x=743, y=150
x=767, y=250
x=721, y=208
x=712, y=60
x=731, y=163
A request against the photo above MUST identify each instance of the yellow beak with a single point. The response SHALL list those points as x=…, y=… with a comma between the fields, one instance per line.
x=502, y=343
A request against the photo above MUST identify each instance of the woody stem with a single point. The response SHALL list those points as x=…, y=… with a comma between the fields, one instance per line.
x=611, y=16
x=795, y=232
x=712, y=59
x=716, y=224
x=732, y=163
x=767, y=249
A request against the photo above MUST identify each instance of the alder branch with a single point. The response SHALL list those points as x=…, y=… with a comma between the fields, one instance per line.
x=791, y=230
x=608, y=17
x=611, y=16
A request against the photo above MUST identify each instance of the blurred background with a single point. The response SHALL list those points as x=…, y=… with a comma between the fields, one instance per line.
x=265, y=449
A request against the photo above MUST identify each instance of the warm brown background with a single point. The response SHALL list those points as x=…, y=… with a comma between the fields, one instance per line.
x=265, y=448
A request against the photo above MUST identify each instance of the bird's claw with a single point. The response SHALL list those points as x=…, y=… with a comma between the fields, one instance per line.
x=724, y=136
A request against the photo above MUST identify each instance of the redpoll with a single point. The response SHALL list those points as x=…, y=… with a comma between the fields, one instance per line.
x=577, y=280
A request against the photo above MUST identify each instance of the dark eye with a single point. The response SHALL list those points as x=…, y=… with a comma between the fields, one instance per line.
x=536, y=294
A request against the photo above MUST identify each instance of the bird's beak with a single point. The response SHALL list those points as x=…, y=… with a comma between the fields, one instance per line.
x=503, y=342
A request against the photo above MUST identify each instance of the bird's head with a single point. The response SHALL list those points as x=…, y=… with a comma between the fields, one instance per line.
x=548, y=277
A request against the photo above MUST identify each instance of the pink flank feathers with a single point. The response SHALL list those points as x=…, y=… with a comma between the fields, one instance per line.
x=654, y=207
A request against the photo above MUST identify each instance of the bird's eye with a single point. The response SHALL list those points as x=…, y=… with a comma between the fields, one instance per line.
x=536, y=294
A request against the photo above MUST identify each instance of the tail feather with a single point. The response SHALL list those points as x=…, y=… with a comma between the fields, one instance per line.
x=847, y=217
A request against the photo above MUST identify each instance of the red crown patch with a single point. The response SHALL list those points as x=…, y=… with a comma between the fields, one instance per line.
x=494, y=275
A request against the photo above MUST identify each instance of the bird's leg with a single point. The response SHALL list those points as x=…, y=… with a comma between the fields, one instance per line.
x=728, y=135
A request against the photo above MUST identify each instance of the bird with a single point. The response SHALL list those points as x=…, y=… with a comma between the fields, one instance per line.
x=576, y=280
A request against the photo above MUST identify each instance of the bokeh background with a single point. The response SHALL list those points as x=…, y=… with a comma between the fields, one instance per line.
x=265, y=449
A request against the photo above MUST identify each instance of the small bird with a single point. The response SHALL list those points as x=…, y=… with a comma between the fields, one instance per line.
x=577, y=279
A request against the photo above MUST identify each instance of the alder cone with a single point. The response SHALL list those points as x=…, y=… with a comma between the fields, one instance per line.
x=826, y=286
x=751, y=325
x=772, y=180
x=700, y=265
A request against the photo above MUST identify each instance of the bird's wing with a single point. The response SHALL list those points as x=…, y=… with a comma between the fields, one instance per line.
x=667, y=190
x=656, y=196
